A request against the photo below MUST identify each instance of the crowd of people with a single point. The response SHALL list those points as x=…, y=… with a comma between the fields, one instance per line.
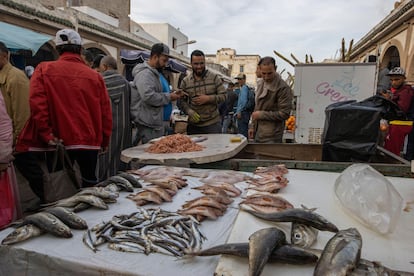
x=85, y=104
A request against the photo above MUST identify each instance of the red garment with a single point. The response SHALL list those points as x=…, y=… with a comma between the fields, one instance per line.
x=68, y=100
x=403, y=97
x=395, y=139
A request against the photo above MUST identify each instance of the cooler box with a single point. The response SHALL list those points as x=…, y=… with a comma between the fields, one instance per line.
x=396, y=135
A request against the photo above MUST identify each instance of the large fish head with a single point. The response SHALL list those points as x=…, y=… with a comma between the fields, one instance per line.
x=303, y=235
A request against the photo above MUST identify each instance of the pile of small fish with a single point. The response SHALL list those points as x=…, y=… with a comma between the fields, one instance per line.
x=56, y=220
x=147, y=231
x=158, y=191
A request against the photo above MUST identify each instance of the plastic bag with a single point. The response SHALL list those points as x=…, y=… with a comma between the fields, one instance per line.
x=369, y=197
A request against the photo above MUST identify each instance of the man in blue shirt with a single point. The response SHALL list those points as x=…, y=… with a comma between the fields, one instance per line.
x=242, y=112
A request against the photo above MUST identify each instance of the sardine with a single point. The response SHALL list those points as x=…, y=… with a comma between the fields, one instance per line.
x=303, y=235
x=49, y=223
x=261, y=245
x=298, y=215
x=88, y=240
x=341, y=254
x=68, y=217
x=286, y=254
x=22, y=233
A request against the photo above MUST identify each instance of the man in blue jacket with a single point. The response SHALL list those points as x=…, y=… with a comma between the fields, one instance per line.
x=243, y=112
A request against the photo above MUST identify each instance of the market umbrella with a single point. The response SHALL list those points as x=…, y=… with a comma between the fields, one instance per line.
x=18, y=38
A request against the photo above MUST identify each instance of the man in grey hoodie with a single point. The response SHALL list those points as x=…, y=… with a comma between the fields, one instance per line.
x=147, y=96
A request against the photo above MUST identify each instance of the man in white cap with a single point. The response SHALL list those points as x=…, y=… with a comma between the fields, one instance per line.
x=69, y=104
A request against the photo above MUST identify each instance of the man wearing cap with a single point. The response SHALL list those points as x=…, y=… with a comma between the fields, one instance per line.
x=273, y=105
x=70, y=105
x=148, y=99
x=243, y=113
x=205, y=92
x=403, y=95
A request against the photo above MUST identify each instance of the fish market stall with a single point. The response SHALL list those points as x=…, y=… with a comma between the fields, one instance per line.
x=49, y=255
x=216, y=147
x=316, y=190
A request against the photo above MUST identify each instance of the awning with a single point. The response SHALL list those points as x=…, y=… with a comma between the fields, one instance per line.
x=132, y=57
x=18, y=38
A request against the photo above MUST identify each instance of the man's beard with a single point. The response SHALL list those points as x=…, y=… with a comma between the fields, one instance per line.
x=199, y=73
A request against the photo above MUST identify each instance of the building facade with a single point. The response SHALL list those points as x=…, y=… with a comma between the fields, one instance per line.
x=236, y=64
x=391, y=40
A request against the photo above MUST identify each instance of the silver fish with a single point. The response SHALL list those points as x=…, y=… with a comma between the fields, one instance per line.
x=132, y=179
x=341, y=254
x=68, y=217
x=49, y=223
x=121, y=182
x=368, y=268
x=297, y=215
x=286, y=254
x=261, y=245
x=22, y=233
x=303, y=235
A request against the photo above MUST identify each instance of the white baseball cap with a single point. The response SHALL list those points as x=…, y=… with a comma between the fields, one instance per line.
x=67, y=36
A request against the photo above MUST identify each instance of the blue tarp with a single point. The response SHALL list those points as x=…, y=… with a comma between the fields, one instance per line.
x=18, y=38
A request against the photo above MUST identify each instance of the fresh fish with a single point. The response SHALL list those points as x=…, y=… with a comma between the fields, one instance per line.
x=121, y=182
x=230, y=189
x=267, y=200
x=205, y=201
x=273, y=187
x=22, y=233
x=76, y=199
x=99, y=192
x=341, y=254
x=261, y=245
x=368, y=268
x=300, y=215
x=303, y=235
x=132, y=179
x=209, y=212
x=146, y=196
x=88, y=240
x=49, y=223
x=160, y=191
x=286, y=254
x=80, y=207
x=68, y=217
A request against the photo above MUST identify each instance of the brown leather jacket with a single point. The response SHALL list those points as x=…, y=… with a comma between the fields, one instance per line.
x=274, y=100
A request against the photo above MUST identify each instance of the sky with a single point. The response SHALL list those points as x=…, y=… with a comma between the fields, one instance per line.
x=298, y=27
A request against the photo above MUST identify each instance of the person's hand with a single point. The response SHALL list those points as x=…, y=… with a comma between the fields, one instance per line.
x=250, y=133
x=55, y=141
x=255, y=115
x=175, y=95
x=238, y=115
x=193, y=116
x=200, y=99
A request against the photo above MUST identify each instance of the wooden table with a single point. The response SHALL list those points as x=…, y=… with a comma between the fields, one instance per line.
x=217, y=147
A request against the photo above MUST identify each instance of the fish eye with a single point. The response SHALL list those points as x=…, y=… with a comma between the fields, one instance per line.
x=298, y=236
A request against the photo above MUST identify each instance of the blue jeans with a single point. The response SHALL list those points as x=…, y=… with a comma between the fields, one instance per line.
x=243, y=123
